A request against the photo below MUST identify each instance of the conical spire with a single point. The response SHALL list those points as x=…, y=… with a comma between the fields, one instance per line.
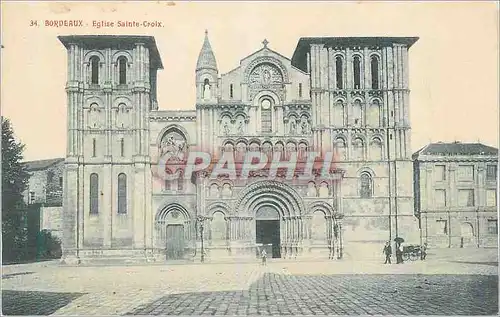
x=206, y=59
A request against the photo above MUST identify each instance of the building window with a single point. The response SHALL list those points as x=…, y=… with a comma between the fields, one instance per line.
x=122, y=193
x=466, y=197
x=94, y=193
x=440, y=195
x=466, y=172
x=122, y=147
x=492, y=226
x=94, y=64
x=340, y=149
x=266, y=118
x=491, y=197
x=50, y=176
x=300, y=90
x=357, y=72
x=442, y=227
x=231, y=91
x=440, y=173
x=358, y=149
x=168, y=181
x=60, y=181
x=491, y=173
x=339, y=72
x=122, y=68
x=374, y=72
x=180, y=184
x=93, y=148
x=365, y=190
x=32, y=198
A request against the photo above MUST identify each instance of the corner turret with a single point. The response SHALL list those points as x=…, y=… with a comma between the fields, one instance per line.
x=206, y=74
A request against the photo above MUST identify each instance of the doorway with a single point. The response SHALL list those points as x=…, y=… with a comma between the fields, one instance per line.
x=175, y=242
x=267, y=230
x=268, y=233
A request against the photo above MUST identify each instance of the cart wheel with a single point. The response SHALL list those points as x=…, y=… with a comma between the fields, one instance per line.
x=413, y=256
x=406, y=256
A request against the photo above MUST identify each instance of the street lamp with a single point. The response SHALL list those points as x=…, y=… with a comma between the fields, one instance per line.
x=338, y=225
x=200, y=220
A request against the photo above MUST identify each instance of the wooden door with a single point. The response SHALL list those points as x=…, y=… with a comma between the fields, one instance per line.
x=175, y=242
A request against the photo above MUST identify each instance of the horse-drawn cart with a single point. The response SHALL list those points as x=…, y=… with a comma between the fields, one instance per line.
x=411, y=252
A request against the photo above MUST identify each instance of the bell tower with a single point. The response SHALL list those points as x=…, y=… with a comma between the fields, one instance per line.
x=206, y=74
x=111, y=88
x=207, y=95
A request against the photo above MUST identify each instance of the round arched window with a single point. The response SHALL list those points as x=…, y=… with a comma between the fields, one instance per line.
x=266, y=104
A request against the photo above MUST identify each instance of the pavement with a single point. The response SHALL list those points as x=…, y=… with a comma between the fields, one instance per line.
x=458, y=284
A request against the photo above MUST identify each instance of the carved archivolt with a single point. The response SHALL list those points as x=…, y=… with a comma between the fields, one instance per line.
x=173, y=143
x=321, y=205
x=270, y=192
x=267, y=75
x=218, y=206
x=266, y=60
x=177, y=208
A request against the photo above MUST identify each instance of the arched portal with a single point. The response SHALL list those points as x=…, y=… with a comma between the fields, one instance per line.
x=267, y=230
x=173, y=231
x=277, y=207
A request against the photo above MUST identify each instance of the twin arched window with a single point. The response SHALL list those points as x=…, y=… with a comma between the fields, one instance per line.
x=94, y=193
x=365, y=188
x=122, y=70
x=356, y=66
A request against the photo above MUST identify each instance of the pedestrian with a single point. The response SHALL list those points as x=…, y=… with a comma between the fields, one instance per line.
x=388, y=252
x=399, y=253
x=263, y=254
x=424, y=251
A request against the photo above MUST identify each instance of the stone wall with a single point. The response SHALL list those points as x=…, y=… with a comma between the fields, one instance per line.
x=46, y=184
x=51, y=219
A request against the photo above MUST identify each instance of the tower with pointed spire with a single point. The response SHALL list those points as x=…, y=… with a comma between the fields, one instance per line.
x=206, y=74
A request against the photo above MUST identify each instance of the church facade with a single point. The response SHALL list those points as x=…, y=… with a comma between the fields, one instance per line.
x=130, y=192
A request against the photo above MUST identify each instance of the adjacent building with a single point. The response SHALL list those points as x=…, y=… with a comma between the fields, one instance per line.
x=45, y=182
x=344, y=94
x=456, y=186
x=44, y=193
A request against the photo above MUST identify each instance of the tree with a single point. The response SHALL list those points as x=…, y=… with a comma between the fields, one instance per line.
x=14, y=182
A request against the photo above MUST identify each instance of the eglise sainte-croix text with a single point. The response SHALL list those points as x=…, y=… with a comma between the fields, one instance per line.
x=101, y=23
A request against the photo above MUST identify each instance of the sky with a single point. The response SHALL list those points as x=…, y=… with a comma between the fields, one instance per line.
x=453, y=67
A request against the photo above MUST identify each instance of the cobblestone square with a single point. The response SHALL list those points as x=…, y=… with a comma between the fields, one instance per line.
x=436, y=287
x=276, y=294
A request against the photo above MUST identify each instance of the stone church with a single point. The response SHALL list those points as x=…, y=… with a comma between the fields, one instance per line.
x=349, y=95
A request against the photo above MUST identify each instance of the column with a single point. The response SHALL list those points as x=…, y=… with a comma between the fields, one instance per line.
x=71, y=213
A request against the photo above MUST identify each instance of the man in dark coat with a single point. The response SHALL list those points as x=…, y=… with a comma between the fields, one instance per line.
x=388, y=252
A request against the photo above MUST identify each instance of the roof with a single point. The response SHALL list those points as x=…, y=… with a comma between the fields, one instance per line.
x=304, y=44
x=115, y=41
x=41, y=164
x=456, y=149
x=206, y=59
